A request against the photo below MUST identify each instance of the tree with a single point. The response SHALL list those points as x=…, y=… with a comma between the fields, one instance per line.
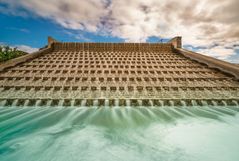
x=7, y=53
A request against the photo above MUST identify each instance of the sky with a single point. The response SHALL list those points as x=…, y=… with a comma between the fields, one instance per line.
x=209, y=27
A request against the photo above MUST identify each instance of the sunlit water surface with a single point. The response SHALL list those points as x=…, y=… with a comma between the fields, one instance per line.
x=119, y=133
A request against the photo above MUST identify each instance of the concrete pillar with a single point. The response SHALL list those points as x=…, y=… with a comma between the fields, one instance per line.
x=51, y=41
x=176, y=42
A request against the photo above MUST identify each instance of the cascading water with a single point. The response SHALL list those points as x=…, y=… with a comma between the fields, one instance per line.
x=118, y=133
x=204, y=103
x=95, y=103
x=61, y=103
x=107, y=103
x=161, y=103
x=72, y=103
x=26, y=103
x=38, y=102
x=183, y=103
x=116, y=103
x=83, y=103
x=3, y=102
x=194, y=103
x=235, y=103
x=214, y=103
x=171, y=103
x=151, y=103
x=15, y=103
x=224, y=103
x=49, y=102
x=127, y=103
x=140, y=103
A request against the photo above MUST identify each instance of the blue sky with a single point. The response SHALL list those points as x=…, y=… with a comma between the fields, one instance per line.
x=34, y=31
x=27, y=23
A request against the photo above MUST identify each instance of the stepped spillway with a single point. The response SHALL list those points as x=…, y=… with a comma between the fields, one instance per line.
x=115, y=74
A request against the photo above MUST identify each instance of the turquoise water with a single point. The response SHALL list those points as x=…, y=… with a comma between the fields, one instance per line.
x=119, y=133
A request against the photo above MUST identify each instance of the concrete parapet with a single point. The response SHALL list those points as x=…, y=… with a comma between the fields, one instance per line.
x=100, y=47
x=211, y=62
x=24, y=58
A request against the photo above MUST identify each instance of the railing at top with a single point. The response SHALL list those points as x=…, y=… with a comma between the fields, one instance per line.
x=95, y=47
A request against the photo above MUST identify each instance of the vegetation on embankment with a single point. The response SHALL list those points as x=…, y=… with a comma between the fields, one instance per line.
x=7, y=53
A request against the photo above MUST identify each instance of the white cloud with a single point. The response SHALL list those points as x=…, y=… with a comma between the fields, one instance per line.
x=18, y=29
x=219, y=52
x=26, y=48
x=77, y=35
x=73, y=14
x=204, y=23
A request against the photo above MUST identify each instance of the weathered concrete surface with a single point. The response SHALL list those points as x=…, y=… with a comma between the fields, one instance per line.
x=120, y=74
x=211, y=62
x=51, y=41
x=24, y=58
x=176, y=42
x=112, y=47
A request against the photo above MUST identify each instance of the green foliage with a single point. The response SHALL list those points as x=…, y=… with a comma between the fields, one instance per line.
x=7, y=53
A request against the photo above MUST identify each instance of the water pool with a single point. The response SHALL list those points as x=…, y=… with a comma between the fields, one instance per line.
x=119, y=133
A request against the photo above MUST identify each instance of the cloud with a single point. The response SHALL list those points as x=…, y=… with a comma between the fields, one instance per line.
x=74, y=14
x=77, y=35
x=207, y=24
x=26, y=48
x=18, y=29
x=224, y=50
x=219, y=52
